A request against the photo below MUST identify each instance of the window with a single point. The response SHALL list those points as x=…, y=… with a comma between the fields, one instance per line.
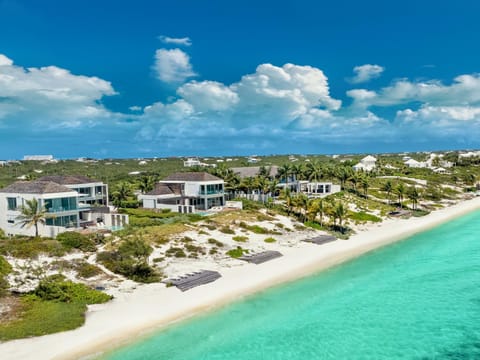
x=65, y=221
x=12, y=203
x=61, y=204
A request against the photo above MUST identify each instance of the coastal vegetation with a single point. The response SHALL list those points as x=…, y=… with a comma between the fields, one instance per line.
x=156, y=240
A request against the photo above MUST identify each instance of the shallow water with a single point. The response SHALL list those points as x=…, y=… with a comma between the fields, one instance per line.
x=415, y=299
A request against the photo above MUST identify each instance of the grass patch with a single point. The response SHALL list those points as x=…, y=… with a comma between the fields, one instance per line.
x=30, y=248
x=236, y=253
x=56, y=305
x=227, y=230
x=270, y=240
x=215, y=242
x=363, y=217
x=419, y=213
x=240, y=238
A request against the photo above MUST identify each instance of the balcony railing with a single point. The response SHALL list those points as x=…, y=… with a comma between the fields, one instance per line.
x=211, y=192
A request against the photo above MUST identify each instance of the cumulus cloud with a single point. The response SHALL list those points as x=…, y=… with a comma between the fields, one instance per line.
x=208, y=96
x=185, y=41
x=51, y=95
x=365, y=73
x=5, y=61
x=173, y=66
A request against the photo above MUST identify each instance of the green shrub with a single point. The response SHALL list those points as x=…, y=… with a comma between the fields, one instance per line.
x=270, y=240
x=264, y=217
x=86, y=270
x=226, y=230
x=30, y=248
x=236, y=253
x=57, y=288
x=2, y=234
x=130, y=262
x=5, y=269
x=240, y=238
x=75, y=240
x=215, y=242
x=363, y=216
x=176, y=251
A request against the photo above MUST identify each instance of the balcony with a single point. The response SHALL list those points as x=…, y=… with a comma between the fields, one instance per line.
x=211, y=192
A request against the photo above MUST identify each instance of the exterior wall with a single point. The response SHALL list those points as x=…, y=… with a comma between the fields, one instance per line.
x=92, y=193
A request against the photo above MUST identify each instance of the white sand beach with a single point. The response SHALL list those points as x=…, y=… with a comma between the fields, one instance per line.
x=149, y=307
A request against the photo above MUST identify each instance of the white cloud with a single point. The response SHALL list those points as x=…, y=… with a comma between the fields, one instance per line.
x=208, y=96
x=5, y=61
x=186, y=41
x=173, y=66
x=51, y=95
x=135, y=108
x=366, y=73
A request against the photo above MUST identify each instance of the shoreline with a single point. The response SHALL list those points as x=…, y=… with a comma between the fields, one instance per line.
x=149, y=308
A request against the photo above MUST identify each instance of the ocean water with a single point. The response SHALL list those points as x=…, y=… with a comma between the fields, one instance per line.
x=416, y=299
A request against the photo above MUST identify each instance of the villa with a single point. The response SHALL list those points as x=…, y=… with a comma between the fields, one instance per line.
x=368, y=163
x=71, y=202
x=186, y=192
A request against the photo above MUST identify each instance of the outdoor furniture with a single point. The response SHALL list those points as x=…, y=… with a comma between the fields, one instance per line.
x=189, y=281
x=261, y=257
x=321, y=239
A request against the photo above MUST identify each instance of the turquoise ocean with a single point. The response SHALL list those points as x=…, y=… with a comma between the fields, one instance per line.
x=415, y=299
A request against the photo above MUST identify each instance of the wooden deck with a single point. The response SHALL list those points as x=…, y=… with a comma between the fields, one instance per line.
x=190, y=281
x=321, y=239
x=261, y=257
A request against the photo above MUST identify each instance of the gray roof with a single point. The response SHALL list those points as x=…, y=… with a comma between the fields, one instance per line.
x=166, y=189
x=35, y=187
x=68, y=179
x=252, y=171
x=191, y=176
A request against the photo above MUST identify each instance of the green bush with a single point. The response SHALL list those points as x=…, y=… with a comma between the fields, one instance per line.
x=236, y=253
x=5, y=269
x=75, y=240
x=240, y=238
x=176, y=251
x=29, y=248
x=226, y=230
x=363, y=216
x=2, y=234
x=86, y=270
x=215, y=242
x=57, y=288
x=270, y=240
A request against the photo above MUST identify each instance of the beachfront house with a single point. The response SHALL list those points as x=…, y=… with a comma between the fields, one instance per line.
x=186, y=192
x=68, y=203
x=368, y=163
x=412, y=163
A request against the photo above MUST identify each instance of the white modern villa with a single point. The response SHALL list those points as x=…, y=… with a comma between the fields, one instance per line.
x=71, y=202
x=368, y=163
x=186, y=192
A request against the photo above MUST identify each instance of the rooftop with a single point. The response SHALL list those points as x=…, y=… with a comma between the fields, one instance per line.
x=35, y=187
x=166, y=189
x=68, y=179
x=191, y=176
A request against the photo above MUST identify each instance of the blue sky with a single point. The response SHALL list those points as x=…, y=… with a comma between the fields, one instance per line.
x=161, y=78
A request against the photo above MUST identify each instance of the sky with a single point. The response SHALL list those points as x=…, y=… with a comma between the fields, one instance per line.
x=114, y=79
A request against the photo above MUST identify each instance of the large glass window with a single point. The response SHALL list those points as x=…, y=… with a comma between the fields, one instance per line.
x=65, y=221
x=12, y=203
x=61, y=204
x=211, y=189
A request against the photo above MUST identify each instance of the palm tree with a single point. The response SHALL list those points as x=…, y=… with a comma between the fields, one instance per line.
x=365, y=185
x=340, y=212
x=146, y=184
x=32, y=214
x=284, y=171
x=122, y=193
x=314, y=170
x=413, y=195
x=388, y=188
x=342, y=173
x=400, y=190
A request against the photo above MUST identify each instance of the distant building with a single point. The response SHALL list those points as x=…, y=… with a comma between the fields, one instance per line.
x=38, y=158
x=412, y=163
x=192, y=162
x=368, y=163
x=186, y=193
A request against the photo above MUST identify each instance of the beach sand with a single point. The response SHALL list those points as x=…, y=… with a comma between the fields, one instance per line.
x=149, y=307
